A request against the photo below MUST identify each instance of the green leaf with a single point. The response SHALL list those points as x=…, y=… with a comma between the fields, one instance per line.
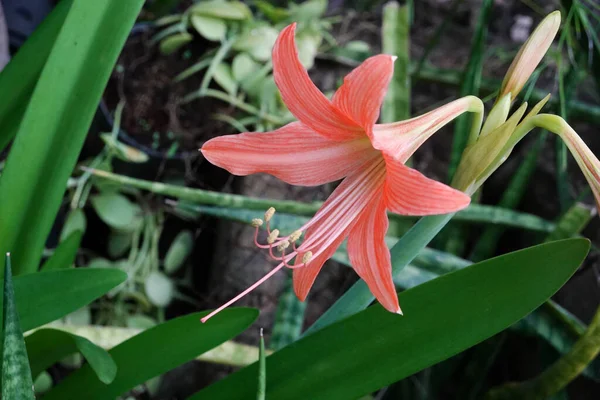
x=46, y=296
x=76, y=221
x=117, y=211
x=42, y=383
x=16, y=374
x=244, y=67
x=262, y=370
x=118, y=243
x=235, y=10
x=210, y=28
x=56, y=122
x=223, y=76
x=289, y=317
x=48, y=346
x=159, y=289
x=64, y=255
x=20, y=75
x=257, y=41
x=180, y=250
x=443, y=317
x=139, y=359
x=171, y=44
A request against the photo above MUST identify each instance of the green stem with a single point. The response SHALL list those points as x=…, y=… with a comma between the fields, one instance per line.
x=558, y=375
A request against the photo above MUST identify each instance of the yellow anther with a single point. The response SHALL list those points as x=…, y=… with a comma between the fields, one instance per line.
x=273, y=236
x=269, y=214
x=283, y=245
x=295, y=236
x=256, y=222
x=306, y=257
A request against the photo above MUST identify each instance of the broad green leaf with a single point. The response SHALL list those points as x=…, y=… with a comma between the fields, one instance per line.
x=75, y=221
x=210, y=28
x=45, y=296
x=48, y=346
x=257, y=41
x=117, y=211
x=139, y=358
x=16, y=373
x=235, y=10
x=171, y=44
x=19, y=76
x=180, y=250
x=64, y=255
x=56, y=122
x=375, y=348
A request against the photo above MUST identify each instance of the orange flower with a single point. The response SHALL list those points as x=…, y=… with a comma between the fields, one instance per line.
x=339, y=139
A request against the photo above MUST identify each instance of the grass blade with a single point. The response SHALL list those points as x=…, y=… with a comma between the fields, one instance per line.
x=262, y=370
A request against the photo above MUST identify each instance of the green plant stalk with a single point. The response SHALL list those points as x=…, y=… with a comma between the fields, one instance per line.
x=558, y=375
x=396, y=41
x=474, y=213
x=19, y=77
x=56, y=122
x=262, y=370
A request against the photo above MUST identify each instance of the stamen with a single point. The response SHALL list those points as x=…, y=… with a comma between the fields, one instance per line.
x=256, y=222
x=273, y=236
x=295, y=236
x=269, y=214
x=281, y=247
x=306, y=257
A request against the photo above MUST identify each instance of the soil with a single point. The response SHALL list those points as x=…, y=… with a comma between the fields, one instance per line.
x=227, y=262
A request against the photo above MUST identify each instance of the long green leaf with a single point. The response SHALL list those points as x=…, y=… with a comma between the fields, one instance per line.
x=443, y=317
x=48, y=346
x=262, y=370
x=19, y=77
x=46, y=296
x=64, y=255
x=156, y=351
x=56, y=122
x=16, y=374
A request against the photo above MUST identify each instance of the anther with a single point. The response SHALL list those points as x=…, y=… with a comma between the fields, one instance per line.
x=273, y=236
x=295, y=236
x=306, y=257
x=283, y=245
x=257, y=222
x=269, y=214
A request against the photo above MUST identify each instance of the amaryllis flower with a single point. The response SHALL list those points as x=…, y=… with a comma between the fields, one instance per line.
x=339, y=139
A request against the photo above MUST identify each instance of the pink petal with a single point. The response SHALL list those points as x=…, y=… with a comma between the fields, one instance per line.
x=302, y=97
x=370, y=256
x=408, y=192
x=363, y=91
x=332, y=223
x=401, y=139
x=295, y=154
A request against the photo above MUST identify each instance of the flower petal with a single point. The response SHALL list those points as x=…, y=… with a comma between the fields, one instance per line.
x=401, y=139
x=370, y=256
x=302, y=97
x=408, y=192
x=295, y=154
x=332, y=223
x=363, y=91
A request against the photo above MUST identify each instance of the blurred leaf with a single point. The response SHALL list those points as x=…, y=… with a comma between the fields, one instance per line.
x=275, y=14
x=235, y=10
x=48, y=346
x=75, y=221
x=20, y=75
x=140, y=322
x=210, y=28
x=64, y=255
x=118, y=243
x=117, y=211
x=123, y=151
x=289, y=317
x=139, y=359
x=171, y=44
x=309, y=10
x=308, y=45
x=42, y=383
x=180, y=250
x=46, y=296
x=243, y=67
x=159, y=288
x=223, y=76
x=16, y=373
x=360, y=354
x=257, y=41
x=56, y=122
x=574, y=220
